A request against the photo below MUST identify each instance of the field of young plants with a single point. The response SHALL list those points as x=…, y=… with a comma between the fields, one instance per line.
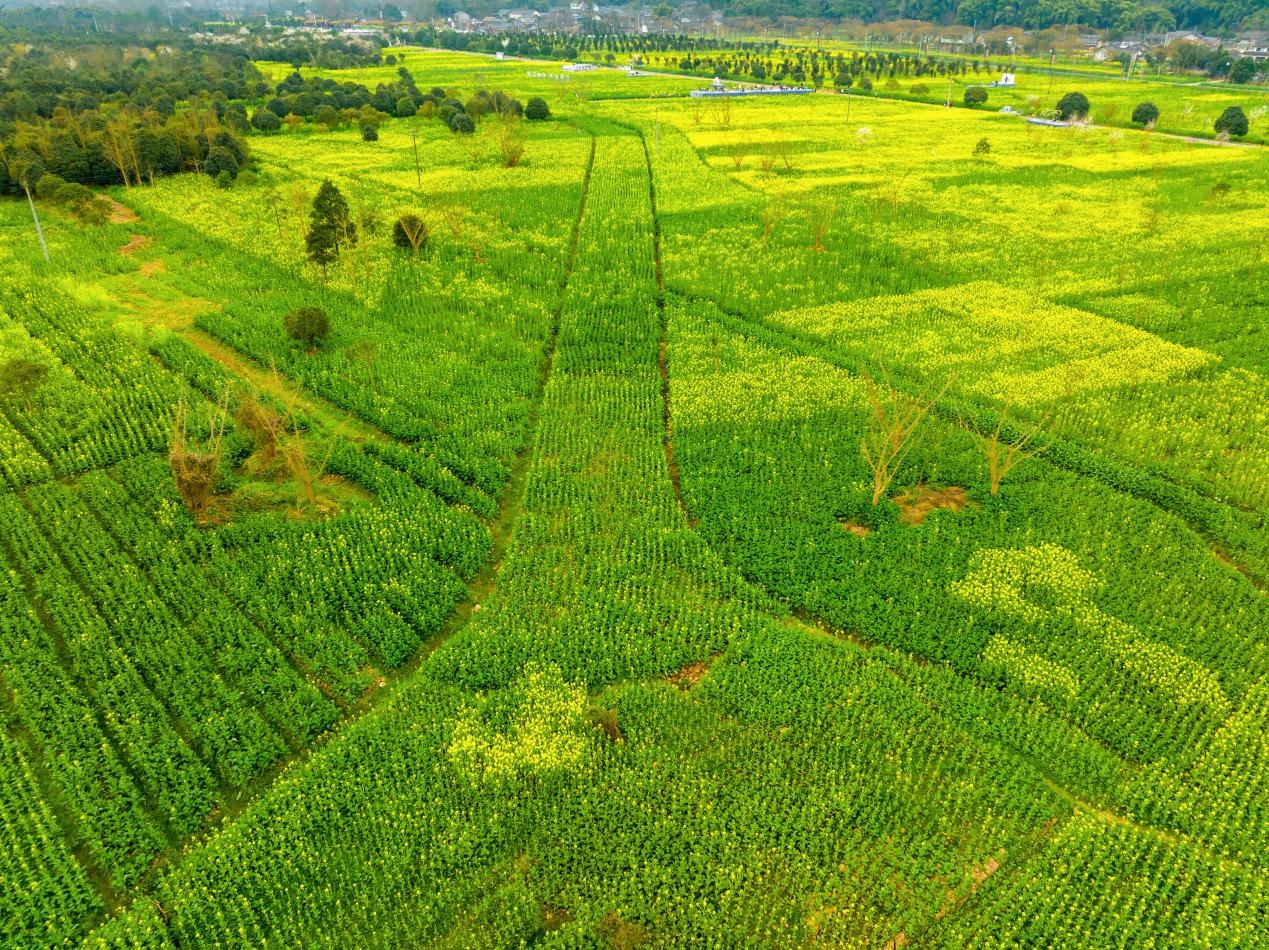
x=748, y=522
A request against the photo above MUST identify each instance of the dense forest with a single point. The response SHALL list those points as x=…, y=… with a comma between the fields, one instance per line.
x=116, y=110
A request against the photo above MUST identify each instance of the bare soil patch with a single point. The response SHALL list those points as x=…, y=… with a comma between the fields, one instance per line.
x=857, y=529
x=120, y=213
x=691, y=674
x=138, y=241
x=149, y=268
x=916, y=503
x=984, y=871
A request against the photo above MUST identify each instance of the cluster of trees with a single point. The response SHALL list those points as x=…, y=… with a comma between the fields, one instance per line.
x=121, y=146
x=461, y=117
x=1186, y=56
x=819, y=67
x=332, y=104
x=106, y=113
x=37, y=79
x=1121, y=15
x=332, y=52
x=1075, y=106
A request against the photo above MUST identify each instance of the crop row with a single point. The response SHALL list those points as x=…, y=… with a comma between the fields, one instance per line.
x=44, y=894
x=231, y=736
x=106, y=805
x=102, y=398
x=174, y=778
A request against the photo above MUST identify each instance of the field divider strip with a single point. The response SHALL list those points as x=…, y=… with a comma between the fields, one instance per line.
x=663, y=365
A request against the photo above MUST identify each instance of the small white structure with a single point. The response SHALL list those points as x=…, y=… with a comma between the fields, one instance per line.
x=717, y=85
x=1006, y=79
x=577, y=67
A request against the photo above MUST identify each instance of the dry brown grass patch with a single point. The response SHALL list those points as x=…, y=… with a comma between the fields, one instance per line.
x=916, y=503
x=622, y=934
x=857, y=529
x=138, y=241
x=691, y=674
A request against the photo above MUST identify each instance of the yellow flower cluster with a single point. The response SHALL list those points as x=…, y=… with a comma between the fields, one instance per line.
x=544, y=731
x=1011, y=580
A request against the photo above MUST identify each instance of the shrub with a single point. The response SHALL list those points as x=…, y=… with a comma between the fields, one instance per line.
x=1233, y=121
x=537, y=110
x=83, y=204
x=975, y=96
x=462, y=123
x=220, y=159
x=982, y=148
x=406, y=107
x=68, y=193
x=410, y=233
x=369, y=133
x=1073, y=105
x=1145, y=113
x=919, y=89
x=47, y=186
x=326, y=115
x=266, y=120
x=224, y=180
x=1243, y=71
x=307, y=325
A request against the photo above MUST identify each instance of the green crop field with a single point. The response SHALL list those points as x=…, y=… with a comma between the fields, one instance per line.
x=757, y=522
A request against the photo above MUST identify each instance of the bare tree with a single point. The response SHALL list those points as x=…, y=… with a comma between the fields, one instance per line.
x=722, y=111
x=738, y=152
x=300, y=197
x=119, y=147
x=822, y=216
x=455, y=219
x=772, y=214
x=895, y=417
x=410, y=230
x=511, y=136
x=266, y=427
x=1003, y=455
x=195, y=471
x=781, y=150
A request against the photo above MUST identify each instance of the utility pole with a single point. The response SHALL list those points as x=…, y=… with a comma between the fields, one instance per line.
x=36, y=218
x=1052, y=53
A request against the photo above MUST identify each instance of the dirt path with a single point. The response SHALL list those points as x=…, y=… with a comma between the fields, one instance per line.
x=663, y=365
x=320, y=413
